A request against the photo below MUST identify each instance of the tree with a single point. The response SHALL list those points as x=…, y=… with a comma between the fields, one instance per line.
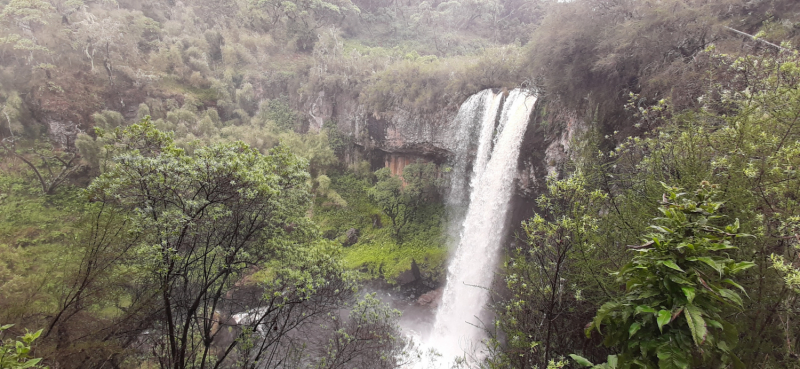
x=744, y=137
x=206, y=221
x=52, y=166
x=369, y=338
x=27, y=13
x=114, y=36
x=302, y=18
x=677, y=290
x=12, y=112
x=789, y=267
x=401, y=197
x=554, y=277
x=29, y=18
x=313, y=147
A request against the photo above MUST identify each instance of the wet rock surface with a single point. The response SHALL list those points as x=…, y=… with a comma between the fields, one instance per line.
x=431, y=298
x=351, y=237
x=410, y=276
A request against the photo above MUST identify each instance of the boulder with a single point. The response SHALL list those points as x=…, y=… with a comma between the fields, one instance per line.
x=351, y=237
x=431, y=298
x=410, y=276
x=415, y=270
x=406, y=278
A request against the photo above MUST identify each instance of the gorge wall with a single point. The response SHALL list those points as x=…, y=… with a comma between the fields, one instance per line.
x=400, y=136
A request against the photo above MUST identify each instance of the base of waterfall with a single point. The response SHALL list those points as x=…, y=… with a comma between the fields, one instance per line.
x=421, y=353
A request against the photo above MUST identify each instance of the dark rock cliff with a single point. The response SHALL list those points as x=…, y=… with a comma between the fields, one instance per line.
x=393, y=138
x=546, y=149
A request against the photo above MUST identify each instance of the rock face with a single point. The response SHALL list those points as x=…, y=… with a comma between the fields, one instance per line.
x=400, y=136
x=397, y=136
x=406, y=277
x=410, y=276
x=546, y=148
x=547, y=145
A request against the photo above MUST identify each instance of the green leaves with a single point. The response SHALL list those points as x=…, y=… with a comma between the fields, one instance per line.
x=683, y=275
x=689, y=293
x=581, y=360
x=697, y=324
x=645, y=309
x=735, y=268
x=671, y=356
x=14, y=354
x=635, y=327
x=664, y=317
x=731, y=296
x=710, y=262
x=671, y=264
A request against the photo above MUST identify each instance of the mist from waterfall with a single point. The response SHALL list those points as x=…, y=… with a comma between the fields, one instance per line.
x=492, y=148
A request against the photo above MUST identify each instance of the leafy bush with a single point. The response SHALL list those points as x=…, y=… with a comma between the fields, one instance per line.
x=745, y=138
x=16, y=354
x=677, y=290
x=401, y=197
x=555, y=277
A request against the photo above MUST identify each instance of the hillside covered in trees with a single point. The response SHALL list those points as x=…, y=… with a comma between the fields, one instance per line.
x=211, y=184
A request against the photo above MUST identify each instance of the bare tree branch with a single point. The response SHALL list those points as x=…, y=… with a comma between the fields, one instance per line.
x=781, y=48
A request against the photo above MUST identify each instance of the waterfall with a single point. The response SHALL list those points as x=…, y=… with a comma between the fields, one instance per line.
x=475, y=120
x=474, y=116
x=491, y=184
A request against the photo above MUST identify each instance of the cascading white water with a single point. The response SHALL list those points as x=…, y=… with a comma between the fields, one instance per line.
x=472, y=266
x=485, y=139
x=471, y=119
x=475, y=120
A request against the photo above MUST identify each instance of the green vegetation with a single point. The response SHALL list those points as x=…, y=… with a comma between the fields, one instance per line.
x=187, y=184
x=681, y=296
x=52, y=167
x=676, y=288
x=198, y=222
x=368, y=318
x=35, y=230
x=166, y=226
x=378, y=252
x=16, y=354
x=401, y=198
x=559, y=248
